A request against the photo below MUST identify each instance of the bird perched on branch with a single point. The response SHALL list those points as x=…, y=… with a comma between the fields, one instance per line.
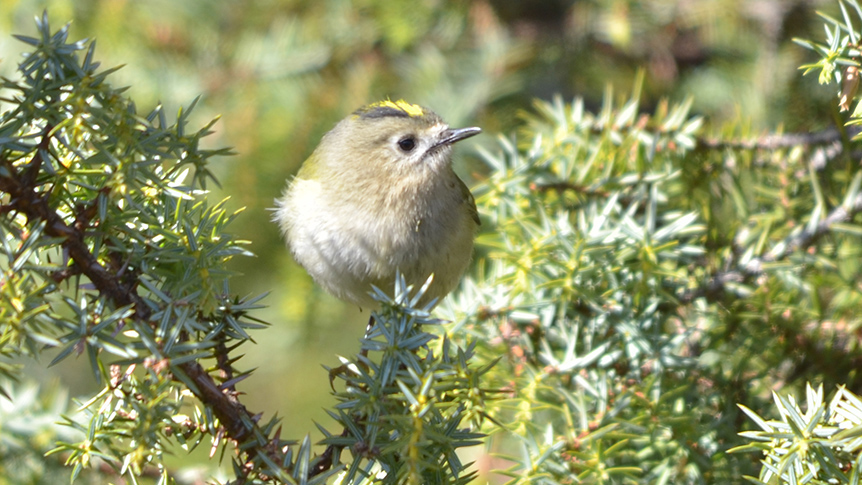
x=378, y=195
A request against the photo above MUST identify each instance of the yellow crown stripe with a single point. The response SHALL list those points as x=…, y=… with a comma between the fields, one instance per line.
x=412, y=110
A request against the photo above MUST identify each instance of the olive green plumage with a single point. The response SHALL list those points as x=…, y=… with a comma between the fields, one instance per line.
x=377, y=195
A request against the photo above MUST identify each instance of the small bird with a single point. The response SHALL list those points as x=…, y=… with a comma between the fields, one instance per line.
x=378, y=195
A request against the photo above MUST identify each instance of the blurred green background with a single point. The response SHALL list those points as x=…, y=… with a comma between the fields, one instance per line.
x=281, y=73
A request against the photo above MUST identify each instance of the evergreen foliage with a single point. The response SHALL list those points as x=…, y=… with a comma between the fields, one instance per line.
x=112, y=250
x=641, y=292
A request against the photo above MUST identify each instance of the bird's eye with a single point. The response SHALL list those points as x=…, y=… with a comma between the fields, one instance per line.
x=407, y=143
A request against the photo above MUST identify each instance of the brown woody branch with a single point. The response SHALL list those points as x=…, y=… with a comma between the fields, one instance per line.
x=568, y=186
x=715, y=287
x=806, y=238
x=779, y=141
x=24, y=199
x=767, y=142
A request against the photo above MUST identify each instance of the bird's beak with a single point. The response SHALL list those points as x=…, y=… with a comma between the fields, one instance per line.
x=450, y=136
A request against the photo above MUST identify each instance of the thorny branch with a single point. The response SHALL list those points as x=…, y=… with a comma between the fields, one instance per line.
x=754, y=267
x=238, y=422
x=779, y=141
x=745, y=272
x=715, y=286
